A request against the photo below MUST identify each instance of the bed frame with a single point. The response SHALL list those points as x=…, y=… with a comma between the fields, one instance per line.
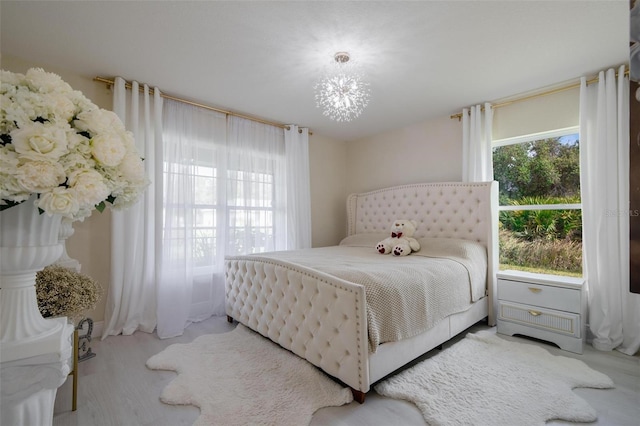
x=322, y=318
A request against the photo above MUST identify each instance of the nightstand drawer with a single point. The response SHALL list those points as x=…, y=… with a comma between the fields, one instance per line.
x=564, y=299
x=546, y=319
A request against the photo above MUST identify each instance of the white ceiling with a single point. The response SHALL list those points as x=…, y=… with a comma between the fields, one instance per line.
x=424, y=59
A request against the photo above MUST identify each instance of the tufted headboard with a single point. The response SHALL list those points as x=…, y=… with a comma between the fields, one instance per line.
x=466, y=210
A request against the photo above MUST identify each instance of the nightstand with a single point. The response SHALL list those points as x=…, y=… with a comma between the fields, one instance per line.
x=547, y=307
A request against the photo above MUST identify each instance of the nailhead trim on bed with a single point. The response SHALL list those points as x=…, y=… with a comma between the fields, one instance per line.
x=296, y=318
x=443, y=210
x=322, y=318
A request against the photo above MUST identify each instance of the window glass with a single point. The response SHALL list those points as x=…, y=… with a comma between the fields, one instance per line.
x=247, y=216
x=540, y=210
x=250, y=212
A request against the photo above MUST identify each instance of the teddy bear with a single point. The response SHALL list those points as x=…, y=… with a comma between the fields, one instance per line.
x=401, y=241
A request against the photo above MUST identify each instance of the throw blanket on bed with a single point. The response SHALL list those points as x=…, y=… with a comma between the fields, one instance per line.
x=405, y=295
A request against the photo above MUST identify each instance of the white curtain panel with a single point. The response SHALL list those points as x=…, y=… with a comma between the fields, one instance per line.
x=219, y=187
x=298, y=187
x=477, y=127
x=193, y=145
x=614, y=312
x=256, y=185
x=131, y=300
x=224, y=194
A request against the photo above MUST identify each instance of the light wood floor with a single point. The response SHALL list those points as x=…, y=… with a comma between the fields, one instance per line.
x=115, y=388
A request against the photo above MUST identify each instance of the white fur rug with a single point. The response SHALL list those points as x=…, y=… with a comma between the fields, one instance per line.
x=484, y=379
x=242, y=378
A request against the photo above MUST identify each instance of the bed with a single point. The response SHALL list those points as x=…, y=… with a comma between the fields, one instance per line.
x=320, y=303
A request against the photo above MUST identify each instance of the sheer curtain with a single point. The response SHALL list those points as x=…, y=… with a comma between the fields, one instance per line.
x=220, y=186
x=477, y=162
x=194, y=140
x=131, y=300
x=298, y=187
x=614, y=312
x=256, y=185
x=224, y=194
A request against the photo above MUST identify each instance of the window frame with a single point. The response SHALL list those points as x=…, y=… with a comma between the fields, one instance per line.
x=566, y=131
x=222, y=212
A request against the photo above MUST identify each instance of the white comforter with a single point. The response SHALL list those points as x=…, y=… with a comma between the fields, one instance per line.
x=405, y=295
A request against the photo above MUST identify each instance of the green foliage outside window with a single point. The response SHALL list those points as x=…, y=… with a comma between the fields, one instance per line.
x=543, y=168
x=541, y=172
x=543, y=224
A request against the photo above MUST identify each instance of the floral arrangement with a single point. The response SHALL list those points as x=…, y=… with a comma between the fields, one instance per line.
x=55, y=143
x=63, y=291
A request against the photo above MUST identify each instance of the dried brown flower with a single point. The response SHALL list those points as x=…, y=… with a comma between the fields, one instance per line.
x=63, y=291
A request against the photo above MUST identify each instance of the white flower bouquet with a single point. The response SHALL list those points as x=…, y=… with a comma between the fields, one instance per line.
x=57, y=144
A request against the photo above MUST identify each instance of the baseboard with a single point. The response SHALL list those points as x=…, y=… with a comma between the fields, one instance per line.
x=588, y=335
x=97, y=330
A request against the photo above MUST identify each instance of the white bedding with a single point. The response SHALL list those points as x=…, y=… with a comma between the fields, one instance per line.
x=405, y=295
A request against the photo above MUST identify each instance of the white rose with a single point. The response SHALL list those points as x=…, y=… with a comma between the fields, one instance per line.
x=108, y=149
x=59, y=106
x=98, y=121
x=40, y=176
x=40, y=141
x=8, y=159
x=89, y=187
x=60, y=200
x=129, y=141
x=44, y=82
x=132, y=168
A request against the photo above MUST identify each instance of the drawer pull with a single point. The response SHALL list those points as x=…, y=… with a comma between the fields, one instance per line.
x=534, y=290
x=535, y=313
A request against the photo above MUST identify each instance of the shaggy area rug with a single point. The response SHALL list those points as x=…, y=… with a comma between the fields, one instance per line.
x=242, y=378
x=484, y=379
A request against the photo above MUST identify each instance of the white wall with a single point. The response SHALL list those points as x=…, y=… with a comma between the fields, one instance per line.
x=328, y=170
x=430, y=151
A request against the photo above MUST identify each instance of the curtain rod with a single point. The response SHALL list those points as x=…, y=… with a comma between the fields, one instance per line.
x=110, y=82
x=538, y=95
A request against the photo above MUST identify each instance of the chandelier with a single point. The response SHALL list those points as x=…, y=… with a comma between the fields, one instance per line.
x=342, y=93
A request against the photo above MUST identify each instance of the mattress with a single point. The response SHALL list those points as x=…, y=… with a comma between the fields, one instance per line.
x=405, y=295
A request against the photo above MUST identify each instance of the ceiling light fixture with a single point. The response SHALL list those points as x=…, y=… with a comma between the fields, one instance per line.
x=342, y=93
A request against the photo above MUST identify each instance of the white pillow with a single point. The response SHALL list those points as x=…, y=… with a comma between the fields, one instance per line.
x=370, y=239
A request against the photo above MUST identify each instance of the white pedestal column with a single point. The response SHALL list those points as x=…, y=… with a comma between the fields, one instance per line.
x=29, y=385
x=66, y=231
x=35, y=352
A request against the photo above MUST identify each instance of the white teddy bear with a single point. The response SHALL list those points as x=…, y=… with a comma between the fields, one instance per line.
x=401, y=241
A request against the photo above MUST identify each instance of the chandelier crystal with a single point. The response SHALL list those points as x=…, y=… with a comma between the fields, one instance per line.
x=342, y=93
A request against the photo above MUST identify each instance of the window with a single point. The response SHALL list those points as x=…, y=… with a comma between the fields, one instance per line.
x=250, y=212
x=540, y=207
x=221, y=204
